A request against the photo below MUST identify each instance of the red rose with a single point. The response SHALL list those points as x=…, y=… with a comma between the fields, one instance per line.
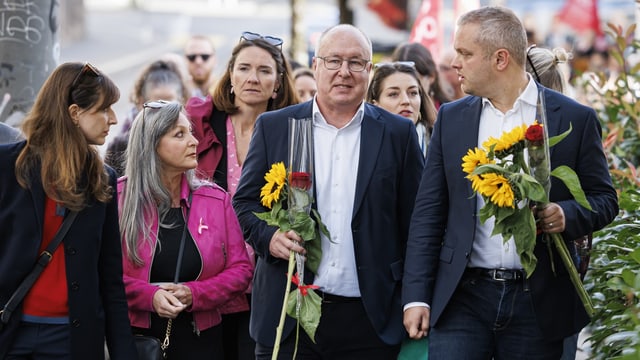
x=534, y=133
x=300, y=180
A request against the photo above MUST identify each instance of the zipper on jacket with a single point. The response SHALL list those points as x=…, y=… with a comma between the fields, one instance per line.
x=224, y=256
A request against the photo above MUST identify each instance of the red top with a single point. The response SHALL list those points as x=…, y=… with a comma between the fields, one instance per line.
x=48, y=297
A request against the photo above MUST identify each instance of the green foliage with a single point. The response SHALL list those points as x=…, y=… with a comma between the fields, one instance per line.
x=614, y=279
x=615, y=283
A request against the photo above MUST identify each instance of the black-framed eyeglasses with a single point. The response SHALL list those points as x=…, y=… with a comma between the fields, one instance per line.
x=193, y=57
x=249, y=36
x=395, y=63
x=535, y=72
x=335, y=63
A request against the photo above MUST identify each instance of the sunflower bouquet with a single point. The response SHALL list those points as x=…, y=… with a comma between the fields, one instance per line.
x=512, y=174
x=293, y=187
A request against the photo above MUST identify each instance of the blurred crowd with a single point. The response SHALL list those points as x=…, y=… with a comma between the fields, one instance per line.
x=188, y=129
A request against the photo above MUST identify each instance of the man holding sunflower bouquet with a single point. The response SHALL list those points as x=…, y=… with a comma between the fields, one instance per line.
x=464, y=284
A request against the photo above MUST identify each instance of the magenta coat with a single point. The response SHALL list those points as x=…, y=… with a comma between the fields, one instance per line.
x=226, y=269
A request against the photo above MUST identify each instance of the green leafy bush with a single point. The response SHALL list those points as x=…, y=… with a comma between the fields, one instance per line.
x=614, y=278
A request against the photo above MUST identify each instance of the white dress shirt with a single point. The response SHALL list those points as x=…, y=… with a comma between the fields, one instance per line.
x=491, y=251
x=336, y=159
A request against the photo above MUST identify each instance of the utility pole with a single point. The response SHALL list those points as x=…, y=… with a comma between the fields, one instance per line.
x=346, y=13
x=298, y=49
x=29, y=51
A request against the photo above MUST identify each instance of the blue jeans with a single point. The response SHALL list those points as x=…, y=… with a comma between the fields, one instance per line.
x=490, y=319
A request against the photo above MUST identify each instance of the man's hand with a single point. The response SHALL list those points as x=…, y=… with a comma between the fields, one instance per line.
x=551, y=217
x=281, y=243
x=416, y=321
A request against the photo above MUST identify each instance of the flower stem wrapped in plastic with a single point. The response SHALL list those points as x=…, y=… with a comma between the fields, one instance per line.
x=538, y=143
x=295, y=187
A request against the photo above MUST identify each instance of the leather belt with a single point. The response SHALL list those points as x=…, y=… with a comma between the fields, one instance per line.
x=336, y=299
x=498, y=274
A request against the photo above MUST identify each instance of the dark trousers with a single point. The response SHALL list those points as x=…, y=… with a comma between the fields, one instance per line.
x=490, y=319
x=41, y=342
x=344, y=333
x=185, y=342
x=238, y=345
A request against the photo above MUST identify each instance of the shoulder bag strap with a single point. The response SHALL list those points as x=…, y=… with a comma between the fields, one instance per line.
x=41, y=263
x=165, y=342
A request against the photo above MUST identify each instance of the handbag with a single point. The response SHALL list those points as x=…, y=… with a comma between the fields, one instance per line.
x=150, y=347
x=42, y=261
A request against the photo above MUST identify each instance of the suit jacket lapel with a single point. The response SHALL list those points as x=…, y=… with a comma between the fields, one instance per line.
x=465, y=135
x=554, y=116
x=370, y=142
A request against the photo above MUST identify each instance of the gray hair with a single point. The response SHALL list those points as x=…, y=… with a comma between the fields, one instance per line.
x=544, y=65
x=144, y=193
x=500, y=28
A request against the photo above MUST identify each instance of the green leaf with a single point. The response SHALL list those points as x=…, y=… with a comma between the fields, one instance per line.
x=556, y=139
x=571, y=181
x=522, y=227
x=310, y=310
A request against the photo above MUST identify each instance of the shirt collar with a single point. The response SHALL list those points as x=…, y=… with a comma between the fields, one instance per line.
x=529, y=96
x=319, y=119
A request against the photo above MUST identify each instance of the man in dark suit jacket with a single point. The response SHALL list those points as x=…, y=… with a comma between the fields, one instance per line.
x=368, y=166
x=461, y=283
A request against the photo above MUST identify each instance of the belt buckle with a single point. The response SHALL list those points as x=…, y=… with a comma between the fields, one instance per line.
x=494, y=273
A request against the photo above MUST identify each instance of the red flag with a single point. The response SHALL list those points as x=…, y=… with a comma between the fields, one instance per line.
x=581, y=15
x=426, y=29
x=393, y=13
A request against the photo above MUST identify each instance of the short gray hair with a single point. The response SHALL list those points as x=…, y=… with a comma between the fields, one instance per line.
x=499, y=28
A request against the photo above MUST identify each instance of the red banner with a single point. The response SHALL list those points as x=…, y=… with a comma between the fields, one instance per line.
x=581, y=15
x=393, y=13
x=426, y=29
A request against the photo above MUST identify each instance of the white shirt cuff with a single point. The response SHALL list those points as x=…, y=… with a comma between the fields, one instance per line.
x=415, y=304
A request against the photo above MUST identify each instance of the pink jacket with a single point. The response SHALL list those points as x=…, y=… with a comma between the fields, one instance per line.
x=210, y=148
x=226, y=269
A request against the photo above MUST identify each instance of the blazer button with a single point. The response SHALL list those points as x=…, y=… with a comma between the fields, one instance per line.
x=466, y=255
x=75, y=286
x=75, y=323
x=71, y=251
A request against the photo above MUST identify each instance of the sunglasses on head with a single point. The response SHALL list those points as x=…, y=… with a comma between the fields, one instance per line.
x=193, y=57
x=156, y=104
x=395, y=63
x=249, y=36
x=87, y=69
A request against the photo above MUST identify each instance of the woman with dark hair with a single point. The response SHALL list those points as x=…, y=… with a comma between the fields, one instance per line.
x=78, y=300
x=159, y=80
x=426, y=67
x=169, y=217
x=257, y=79
x=396, y=88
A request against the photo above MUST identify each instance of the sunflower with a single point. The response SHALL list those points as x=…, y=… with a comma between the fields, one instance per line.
x=504, y=196
x=497, y=188
x=275, y=179
x=507, y=140
x=474, y=158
